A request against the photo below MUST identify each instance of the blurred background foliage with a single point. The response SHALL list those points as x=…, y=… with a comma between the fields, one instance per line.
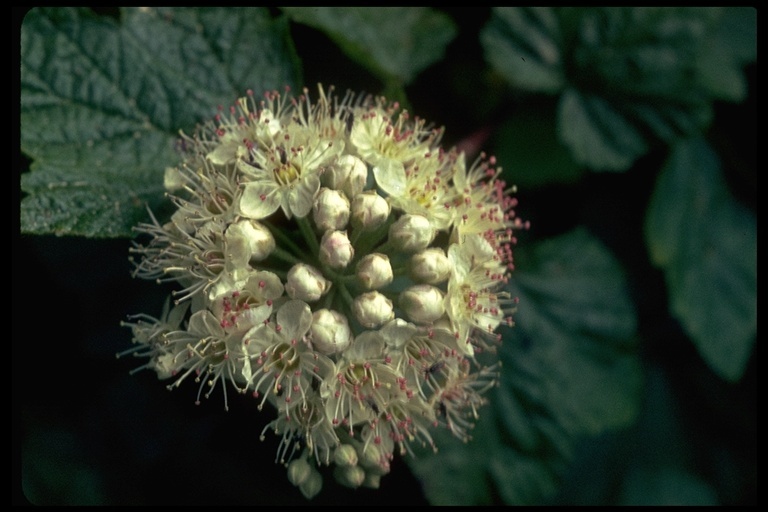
x=631, y=135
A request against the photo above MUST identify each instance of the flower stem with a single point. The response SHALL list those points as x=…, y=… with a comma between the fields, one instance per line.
x=285, y=256
x=309, y=235
x=284, y=239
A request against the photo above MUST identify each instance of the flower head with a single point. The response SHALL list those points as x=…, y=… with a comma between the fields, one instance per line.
x=338, y=265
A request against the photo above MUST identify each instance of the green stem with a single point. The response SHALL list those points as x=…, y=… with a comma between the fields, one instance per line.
x=400, y=271
x=284, y=255
x=309, y=235
x=348, y=299
x=283, y=238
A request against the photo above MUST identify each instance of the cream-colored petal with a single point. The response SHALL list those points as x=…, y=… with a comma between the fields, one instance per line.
x=302, y=196
x=294, y=319
x=390, y=177
x=260, y=199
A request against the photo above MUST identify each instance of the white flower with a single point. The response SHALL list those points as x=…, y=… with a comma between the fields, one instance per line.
x=244, y=127
x=286, y=172
x=423, y=189
x=290, y=185
x=473, y=303
x=388, y=140
x=335, y=262
x=484, y=206
x=242, y=309
x=280, y=365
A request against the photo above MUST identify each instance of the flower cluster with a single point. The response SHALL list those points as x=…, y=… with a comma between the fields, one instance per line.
x=336, y=263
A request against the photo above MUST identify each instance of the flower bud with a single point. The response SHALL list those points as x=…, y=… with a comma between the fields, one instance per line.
x=173, y=180
x=423, y=303
x=372, y=309
x=260, y=240
x=312, y=485
x=305, y=282
x=345, y=455
x=372, y=480
x=336, y=250
x=330, y=331
x=411, y=233
x=349, y=476
x=430, y=266
x=330, y=210
x=349, y=175
x=369, y=211
x=298, y=471
x=375, y=457
x=374, y=271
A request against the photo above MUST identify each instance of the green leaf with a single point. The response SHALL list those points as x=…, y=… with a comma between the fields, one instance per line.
x=523, y=44
x=527, y=146
x=102, y=103
x=665, y=486
x=630, y=76
x=706, y=243
x=394, y=43
x=732, y=45
x=598, y=135
x=570, y=369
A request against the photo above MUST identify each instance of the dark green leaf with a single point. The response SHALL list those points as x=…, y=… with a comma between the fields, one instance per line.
x=598, y=135
x=523, y=44
x=730, y=47
x=706, y=243
x=630, y=75
x=394, y=43
x=526, y=144
x=665, y=486
x=102, y=103
x=569, y=370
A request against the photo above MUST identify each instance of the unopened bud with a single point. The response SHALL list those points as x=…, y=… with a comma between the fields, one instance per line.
x=336, y=250
x=298, y=471
x=330, y=331
x=411, y=233
x=369, y=211
x=345, y=455
x=305, y=282
x=430, y=266
x=372, y=480
x=349, y=476
x=330, y=210
x=260, y=240
x=173, y=180
x=423, y=303
x=374, y=459
x=374, y=271
x=349, y=174
x=372, y=309
x=312, y=485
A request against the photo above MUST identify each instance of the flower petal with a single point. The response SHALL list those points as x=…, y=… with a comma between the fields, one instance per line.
x=302, y=196
x=390, y=177
x=294, y=318
x=260, y=199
